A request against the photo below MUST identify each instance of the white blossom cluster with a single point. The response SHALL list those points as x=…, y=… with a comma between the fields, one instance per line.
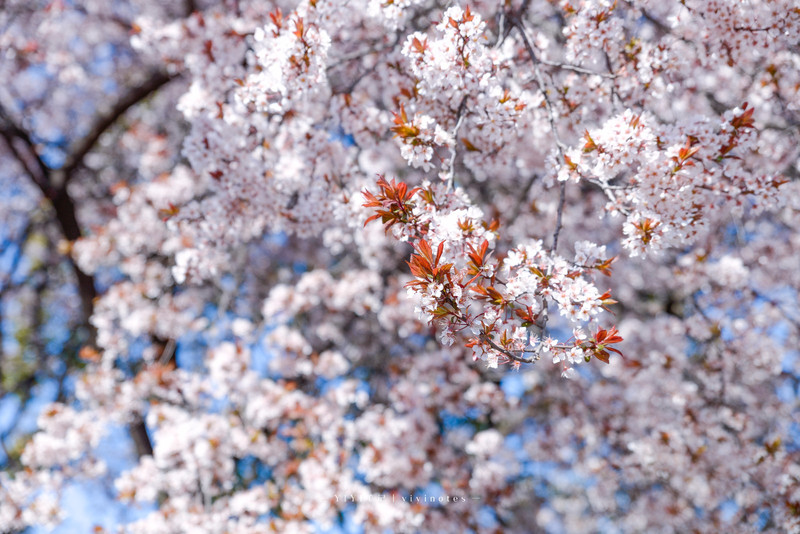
x=254, y=225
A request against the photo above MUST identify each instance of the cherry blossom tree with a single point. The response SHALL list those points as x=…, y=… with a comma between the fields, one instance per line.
x=402, y=265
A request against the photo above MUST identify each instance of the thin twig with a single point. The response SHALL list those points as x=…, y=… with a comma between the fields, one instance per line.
x=540, y=82
x=454, y=150
x=608, y=190
x=576, y=68
x=502, y=31
x=516, y=22
x=614, y=95
x=505, y=352
x=559, y=214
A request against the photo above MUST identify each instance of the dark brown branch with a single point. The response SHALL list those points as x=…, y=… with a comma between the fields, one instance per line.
x=63, y=204
x=137, y=428
x=127, y=101
x=505, y=352
x=64, y=207
x=31, y=161
x=140, y=438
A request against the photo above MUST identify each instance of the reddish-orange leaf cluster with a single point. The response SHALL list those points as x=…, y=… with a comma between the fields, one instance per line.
x=605, y=265
x=684, y=154
x=590, y=145
x=571, y=164
x=393, y=203
x=740, y=123
x=606, y=300
x=299, y=28
x=418, y=45
x=602, y=340
x=277, y=19
x=745, y=120
x=477, y=258
x=425, y=266
x=468, y=144
x=527, y=316
x=402, y=126
x=647, y=228
x=170, y=211
x=489, y=293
